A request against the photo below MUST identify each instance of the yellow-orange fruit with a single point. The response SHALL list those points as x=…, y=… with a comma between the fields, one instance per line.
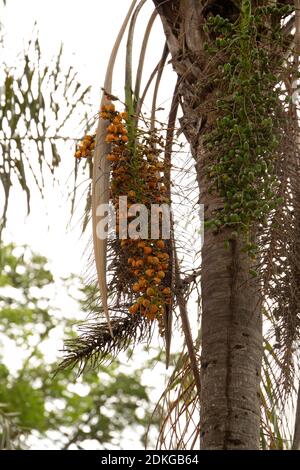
x=110, y=107
x=149, y=272
x=146, y=303
x=160, y=274
x=136, y=287
x=157, y=280
x=154, y=260
x=166, y=291
x=160, y=244
x=150, y=291
x=112, y=128
x=141, y=244
x=139, y=263
x=147, y=250
x=134, y=308
x=112, y=158
x=163, y=256
x=130, y=260
x=124, y=138
x=142, y=282
x=132, y=194
x=153, y=309
x=78, y=154
x=164, y=266
x=110, y=138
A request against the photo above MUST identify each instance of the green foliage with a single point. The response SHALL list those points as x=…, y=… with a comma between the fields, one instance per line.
x=100, y=406
x=245, y=140
x=37, y=102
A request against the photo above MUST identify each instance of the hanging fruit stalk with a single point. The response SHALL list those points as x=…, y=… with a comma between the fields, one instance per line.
x=139, y=176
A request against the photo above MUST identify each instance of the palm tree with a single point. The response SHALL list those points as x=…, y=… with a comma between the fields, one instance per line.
x=237, y=65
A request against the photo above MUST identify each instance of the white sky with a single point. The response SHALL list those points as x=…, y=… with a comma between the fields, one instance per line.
x=87, y=30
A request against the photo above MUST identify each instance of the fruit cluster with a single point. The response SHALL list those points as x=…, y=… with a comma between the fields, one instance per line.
x=86, y=147
x=137, y=173
x=244, y=142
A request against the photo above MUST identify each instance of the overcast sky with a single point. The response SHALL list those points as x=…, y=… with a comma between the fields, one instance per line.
x=87, y=30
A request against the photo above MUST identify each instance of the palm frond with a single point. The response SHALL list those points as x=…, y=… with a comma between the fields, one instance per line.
x=101, y=170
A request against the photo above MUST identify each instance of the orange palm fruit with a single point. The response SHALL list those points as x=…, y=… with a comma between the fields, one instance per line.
x=160, y=274
x=154, y=260
x=139, y=263
x=78, y=154
x=110, y=107
x=141, y=244
x=166, y=291
x=111, y=158
x=163, y=256
x=146, y=303
x=142, y=282
x=157, y=280
x=160, y=244
x=149, y=272
x=136, y=287
x=153, y=309
x=132, y=194
x=110, y=138
x=124, y=138
x=165, y=266
x=134, y=308
x=147, y=250
x=112, y=129
x=150, y=291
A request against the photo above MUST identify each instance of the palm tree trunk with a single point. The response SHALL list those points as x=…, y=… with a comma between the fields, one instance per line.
x=231, y=312
x=231, y=342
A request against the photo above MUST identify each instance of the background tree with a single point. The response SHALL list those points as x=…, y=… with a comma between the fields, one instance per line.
x=39, y=101
x=40, y=408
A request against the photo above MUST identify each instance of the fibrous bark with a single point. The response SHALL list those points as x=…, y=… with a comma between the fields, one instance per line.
x=231, y=312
